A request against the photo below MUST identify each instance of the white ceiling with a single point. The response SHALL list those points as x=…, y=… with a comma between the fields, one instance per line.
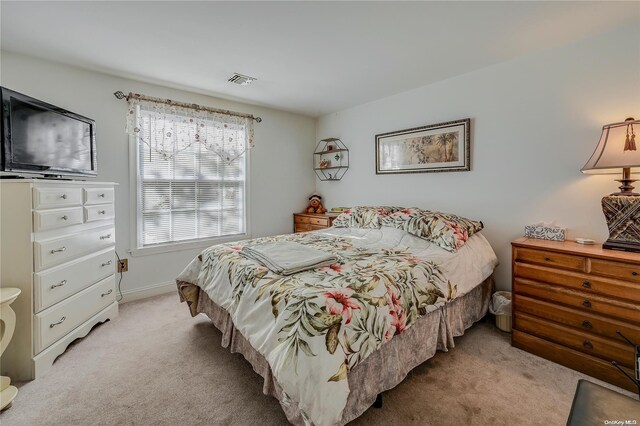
x=309, y=57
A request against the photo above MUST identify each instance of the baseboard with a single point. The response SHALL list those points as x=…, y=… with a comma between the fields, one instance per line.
x=148, y=291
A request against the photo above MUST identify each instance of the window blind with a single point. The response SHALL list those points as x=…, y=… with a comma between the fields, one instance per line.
x=185, y=190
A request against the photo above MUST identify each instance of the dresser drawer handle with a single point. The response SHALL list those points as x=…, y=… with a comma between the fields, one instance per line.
x=105, y=264
x=101, y=195
x=634, y=273
x=102, y=211
x=586, y=284
x=105, y=237
x=107, y=293
x=586, y=303
x=56, y=323
x=60, y=284
x=548, y=259
x=61, y=249
x=64, y=217
x=587, y=324
x=587, y=344
x=63, y=196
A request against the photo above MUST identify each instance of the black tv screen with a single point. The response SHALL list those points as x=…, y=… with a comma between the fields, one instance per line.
x=41, y=138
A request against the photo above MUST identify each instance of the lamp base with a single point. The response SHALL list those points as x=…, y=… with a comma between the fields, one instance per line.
x=623, y=220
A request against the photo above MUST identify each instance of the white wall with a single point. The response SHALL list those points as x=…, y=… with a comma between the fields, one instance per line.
x=280, y=164
x=535, y=122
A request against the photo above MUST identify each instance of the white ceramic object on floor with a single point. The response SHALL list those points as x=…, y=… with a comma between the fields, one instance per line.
x=8, y=317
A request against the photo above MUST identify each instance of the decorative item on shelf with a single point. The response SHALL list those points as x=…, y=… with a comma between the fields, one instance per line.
x=616, y=151
x=442, y=147
x=545, y=231
x=315, y=205
x=330, y=159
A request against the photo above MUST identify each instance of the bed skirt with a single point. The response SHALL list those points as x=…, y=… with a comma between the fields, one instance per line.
x=395, y=359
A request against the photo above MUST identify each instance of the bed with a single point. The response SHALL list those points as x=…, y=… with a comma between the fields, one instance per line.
x=328, y=341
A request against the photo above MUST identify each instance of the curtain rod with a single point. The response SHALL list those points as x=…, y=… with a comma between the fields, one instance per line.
x=121, y=95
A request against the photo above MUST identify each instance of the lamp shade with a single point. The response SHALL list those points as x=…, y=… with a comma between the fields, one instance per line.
x=616, y=149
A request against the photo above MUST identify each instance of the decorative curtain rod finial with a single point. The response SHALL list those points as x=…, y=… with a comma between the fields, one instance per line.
x=119, y=95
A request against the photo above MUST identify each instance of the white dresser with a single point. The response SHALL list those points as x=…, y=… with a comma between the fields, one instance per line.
x=57, y=246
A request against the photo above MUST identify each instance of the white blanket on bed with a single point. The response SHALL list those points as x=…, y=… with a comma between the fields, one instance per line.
x=288, y=257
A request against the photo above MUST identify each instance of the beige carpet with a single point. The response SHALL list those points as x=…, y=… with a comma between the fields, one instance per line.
x=155, y=364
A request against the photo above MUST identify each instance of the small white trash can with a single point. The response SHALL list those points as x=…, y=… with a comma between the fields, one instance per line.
x=500, y=306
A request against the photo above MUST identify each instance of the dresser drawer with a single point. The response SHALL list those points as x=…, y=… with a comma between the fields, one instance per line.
x=621, y=270
x=586, y=283
x=53, y=323
x=98, y=212
x=57, y=218
x=301, y=219
x=556, y=260
x=592, y=323
x=321, y=221
x=56, y=284
x=56, y=251
x=584, y=342
x=576, y=299
x=302, y=227
x=98, y=195
x=45, y=198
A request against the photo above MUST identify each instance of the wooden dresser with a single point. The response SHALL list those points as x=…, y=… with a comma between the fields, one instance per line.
x=303, y=222
x=58, y=242
x=569, y=302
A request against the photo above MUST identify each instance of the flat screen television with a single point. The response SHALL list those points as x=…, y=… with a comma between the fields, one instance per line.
x=41, y=138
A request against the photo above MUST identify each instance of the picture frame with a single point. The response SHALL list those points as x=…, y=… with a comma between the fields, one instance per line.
x=441, y=147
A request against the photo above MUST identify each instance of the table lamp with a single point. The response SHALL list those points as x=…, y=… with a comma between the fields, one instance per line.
x=616, y=152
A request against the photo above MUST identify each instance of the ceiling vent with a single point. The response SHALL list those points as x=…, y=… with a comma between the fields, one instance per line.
x=242, y=80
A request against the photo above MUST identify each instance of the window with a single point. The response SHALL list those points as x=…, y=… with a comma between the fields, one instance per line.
x=191, y=176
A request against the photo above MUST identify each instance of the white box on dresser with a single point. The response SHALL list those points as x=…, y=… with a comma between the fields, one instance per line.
x=57, y=246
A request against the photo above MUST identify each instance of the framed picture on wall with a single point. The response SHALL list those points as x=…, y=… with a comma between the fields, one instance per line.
x=442, y=147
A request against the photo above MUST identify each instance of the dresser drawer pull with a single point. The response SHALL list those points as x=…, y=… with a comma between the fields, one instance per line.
x=60, y=284
x=63, y=196
x=105, y=237
x=64, y=217
x=586, y=303
x=102, y=211
x=105, y=264
x=107, y=293
x=586, y=284
x=634, y=273
x=60, y=250
x=101, y=195
x=547, y=259
x=587, y=324
x=587, y=344
x=56, y=323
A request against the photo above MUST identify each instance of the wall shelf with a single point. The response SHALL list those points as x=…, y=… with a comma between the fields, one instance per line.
x=330, y=159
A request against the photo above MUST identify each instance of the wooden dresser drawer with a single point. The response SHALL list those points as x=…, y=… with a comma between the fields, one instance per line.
x=59, y=250
x=99, y=212
x=556, y=260
x=622, y=270
x=304, y=227
x=98, y=195
x=321, y=221
x=46, y=198
x=576, y=299
x=589, y=284
x=578, y=340
x=301, y=219
x=56, y=284
x=580, y=319
x=55, y=322
x=56, y=218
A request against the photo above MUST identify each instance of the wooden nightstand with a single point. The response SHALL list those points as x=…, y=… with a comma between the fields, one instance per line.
x=569, y=302
x=303, y=222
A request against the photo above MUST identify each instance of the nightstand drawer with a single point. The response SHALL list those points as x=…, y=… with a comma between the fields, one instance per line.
x=321, y=221
x=301, y=219
x=592, y=323
x=584, y=342
x=576, y=299
x=556, y=260
x=624, y=271
x=583, y=282
x=304, y=227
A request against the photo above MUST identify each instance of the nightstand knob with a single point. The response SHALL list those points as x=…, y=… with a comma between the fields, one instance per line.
x=587, y=344
x=587, y=324
x=548, y=259
x=634, y=273
x=586, y=284
x=586, y=303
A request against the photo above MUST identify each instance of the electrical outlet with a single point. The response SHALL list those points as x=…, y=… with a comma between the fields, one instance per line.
x=123, y=265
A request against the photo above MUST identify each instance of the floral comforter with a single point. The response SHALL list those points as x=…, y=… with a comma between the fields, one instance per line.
x=315, y=326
